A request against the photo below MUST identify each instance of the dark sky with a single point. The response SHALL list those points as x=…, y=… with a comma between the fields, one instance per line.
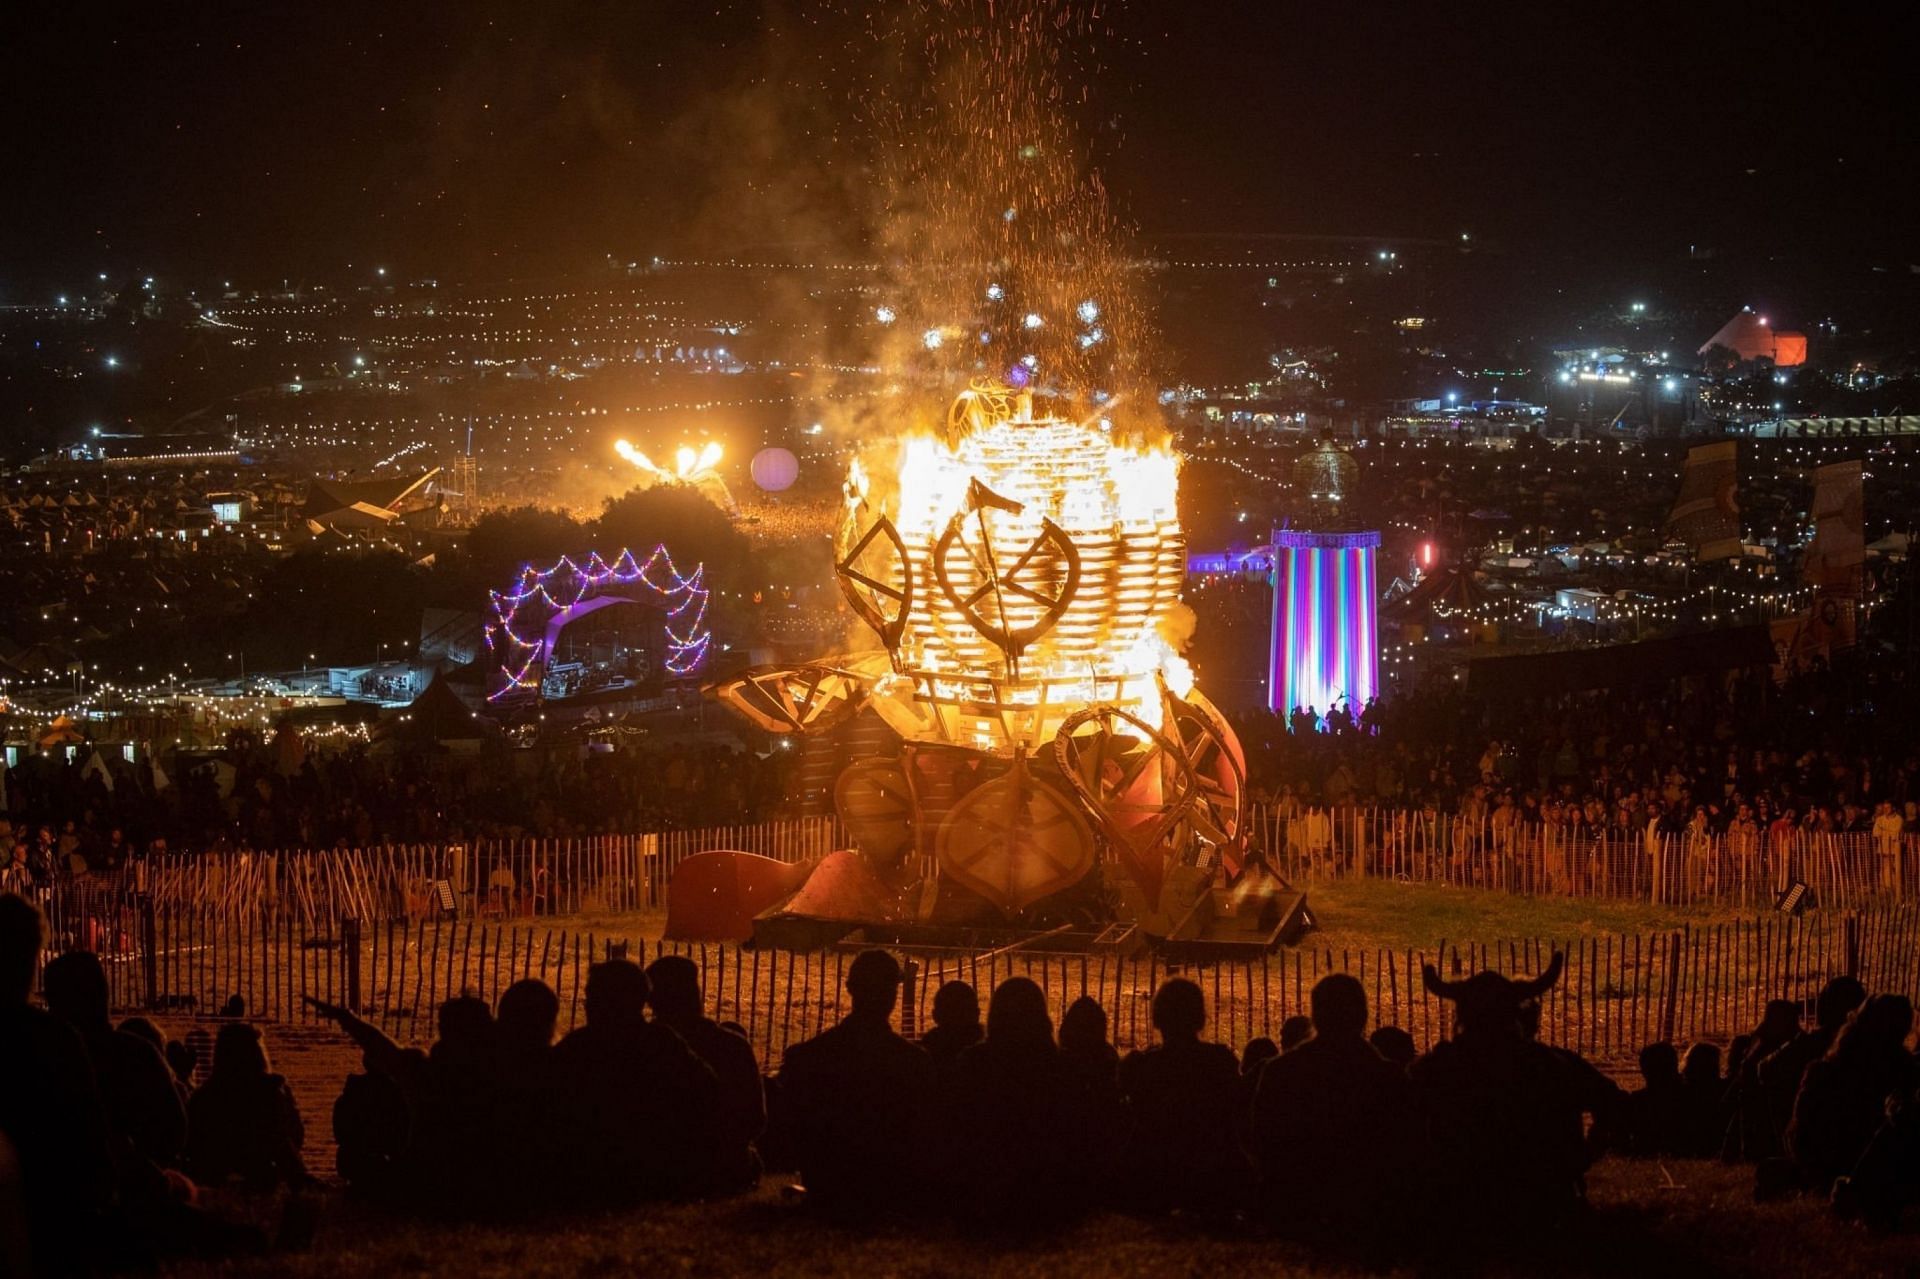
x=485, y=140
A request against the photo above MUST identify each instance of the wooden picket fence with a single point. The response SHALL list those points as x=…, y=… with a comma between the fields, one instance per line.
x=1619, y=991
x=1847, y=870
x=611, y=874
x=599, y=874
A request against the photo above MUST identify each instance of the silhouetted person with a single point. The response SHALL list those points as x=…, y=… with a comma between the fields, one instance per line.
x=956, y=1024
x=1093, y=1066
x=1182, y=1102
x=1020, y=1129
x=1294, y=1031
x=1597, y=1095
x=1885, y=1180
x=1706, y=1101
x=674, y=992
x=1780, y=1071
x=451, y=1094
x=526, y=1158
x=1259, y=1051
x=1751, y=1134
x=143, y=1110
x=857, y=1100
x=1395, y=1044
x=1501, y=1113
x=1843, y=1096
x=170, y=1052
x=242, y=1124
x=1331, y=1131
x=1659, y=1113
x=641, y=1110
x=50, y=1110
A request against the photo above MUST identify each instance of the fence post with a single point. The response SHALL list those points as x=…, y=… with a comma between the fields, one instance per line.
x=1672, y=994
x=909, y=1005
x=149, y=951
x=1851, y=928
x=350, y=960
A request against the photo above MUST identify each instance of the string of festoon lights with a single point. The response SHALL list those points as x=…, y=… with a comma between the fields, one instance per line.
x=1723, y=603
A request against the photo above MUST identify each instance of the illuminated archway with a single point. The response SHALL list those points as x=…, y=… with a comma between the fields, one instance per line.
x=528, y=619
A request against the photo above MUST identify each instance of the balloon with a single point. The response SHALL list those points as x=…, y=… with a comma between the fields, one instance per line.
x=775, y=470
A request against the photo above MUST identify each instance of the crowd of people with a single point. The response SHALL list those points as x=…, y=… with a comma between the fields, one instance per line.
x=1335, y=1136
x=64, y=818
x=1743, y=756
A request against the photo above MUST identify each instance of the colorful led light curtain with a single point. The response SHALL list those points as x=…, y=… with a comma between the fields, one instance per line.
x=528, y=619
x=1326, y=639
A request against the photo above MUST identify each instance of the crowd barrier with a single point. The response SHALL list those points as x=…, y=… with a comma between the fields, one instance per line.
x=619, y=874
x=1843, y=870
x=1619, y=991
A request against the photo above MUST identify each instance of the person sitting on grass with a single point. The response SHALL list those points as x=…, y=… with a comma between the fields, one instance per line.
x=1181, y=1111
x=1016, y=1115
x=242, y=1124
x=956, y=1024
x=50, y=1110
x=857, y=1099
x=639, y=1110
x=1843, y=1097
x=674, y=992
x=1332, y=1131
x=1659, y=1113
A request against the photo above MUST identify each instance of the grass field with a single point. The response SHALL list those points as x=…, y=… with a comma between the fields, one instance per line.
x=1692, y=1218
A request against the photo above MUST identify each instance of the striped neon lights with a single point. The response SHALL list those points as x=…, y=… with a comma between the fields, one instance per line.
x=1326, y=638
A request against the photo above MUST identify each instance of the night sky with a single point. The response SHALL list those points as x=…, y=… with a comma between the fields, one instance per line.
x=488, y=140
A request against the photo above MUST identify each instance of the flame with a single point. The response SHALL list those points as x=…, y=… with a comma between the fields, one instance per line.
x=1118, y=635
x=690, y=466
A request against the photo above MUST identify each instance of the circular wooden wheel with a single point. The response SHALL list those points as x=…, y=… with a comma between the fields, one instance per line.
x=876, y=807
x=1135, y=778
x=1015, y=840
x=1219, y=766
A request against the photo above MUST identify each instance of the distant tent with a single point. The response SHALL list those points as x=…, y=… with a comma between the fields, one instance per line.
x=1444, y=593
x=437, y=716
x=1748, y=336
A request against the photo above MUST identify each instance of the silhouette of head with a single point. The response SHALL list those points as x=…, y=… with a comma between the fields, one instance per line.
x=1017, y=1016
x=1339, y=1004
x=616, y=995
x=1780, y=1022
x=527, y=1012
x=1487, y=1003
x=21, y=931
x=1294, y=1031
x=144, y=1029
x=1259, y=1051
x=76, y=988
x=1179, y=1009
x=1659, y=1063
x=238, y=1053
x=873, y=983
x=1084, y=1027
x=673, y=988
x=1879, y=1026
x=1838, y=999
x=956, y=1005
x=1393, y=1043
x=1702, y=1065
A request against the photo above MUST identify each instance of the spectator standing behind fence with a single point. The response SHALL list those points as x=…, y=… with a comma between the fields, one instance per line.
x=1181, y=1098
x=857, y=1101
x=1887, y=828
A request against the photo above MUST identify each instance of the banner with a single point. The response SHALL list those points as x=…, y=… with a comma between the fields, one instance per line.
x=1706, y=514
x=1834, y=560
